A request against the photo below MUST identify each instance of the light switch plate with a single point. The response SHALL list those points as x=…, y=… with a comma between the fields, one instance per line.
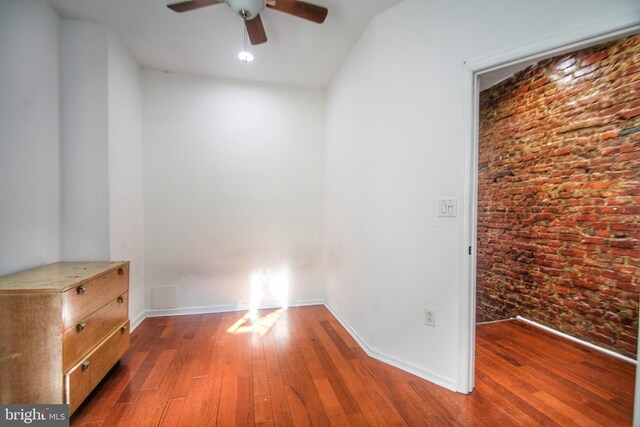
x=448, y=208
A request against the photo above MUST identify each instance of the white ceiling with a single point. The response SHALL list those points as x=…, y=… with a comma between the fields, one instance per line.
x=207, y=41
x=496, y=76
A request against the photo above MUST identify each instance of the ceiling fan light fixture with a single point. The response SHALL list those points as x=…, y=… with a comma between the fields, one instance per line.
x=247, y=9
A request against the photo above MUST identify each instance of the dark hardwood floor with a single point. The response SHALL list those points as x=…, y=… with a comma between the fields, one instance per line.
x=300, y=367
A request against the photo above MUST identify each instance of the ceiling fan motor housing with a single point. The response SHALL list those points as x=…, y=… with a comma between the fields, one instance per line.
x=248, y=9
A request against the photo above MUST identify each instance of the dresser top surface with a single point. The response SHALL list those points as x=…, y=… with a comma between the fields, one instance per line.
x=56, y=277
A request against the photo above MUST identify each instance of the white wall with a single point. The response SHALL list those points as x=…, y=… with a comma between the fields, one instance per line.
x=85, y=140
x=126, y=198
x=395, y=145
x=233, y=184
x=70, y=144
x=102, y=189
x=29, y=135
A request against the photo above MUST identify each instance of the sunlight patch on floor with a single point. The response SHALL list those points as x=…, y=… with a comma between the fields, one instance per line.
x=252, y=323
x=268, y=286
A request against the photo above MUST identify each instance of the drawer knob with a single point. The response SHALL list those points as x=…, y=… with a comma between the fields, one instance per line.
x=120, y=299
x=80, y=327
x=85, y=365
x=121, y=271
x=123, y=329
x=81, y=289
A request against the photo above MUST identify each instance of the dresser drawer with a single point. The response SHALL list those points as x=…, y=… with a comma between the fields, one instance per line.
x=84, y=376
x=82, y=300
x=78, y=340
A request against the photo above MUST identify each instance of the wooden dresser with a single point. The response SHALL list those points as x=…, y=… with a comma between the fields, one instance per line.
x=62, y=327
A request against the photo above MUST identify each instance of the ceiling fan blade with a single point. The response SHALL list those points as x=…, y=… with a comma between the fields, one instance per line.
x=255, y=29
x=185, y=6
x=300, y=9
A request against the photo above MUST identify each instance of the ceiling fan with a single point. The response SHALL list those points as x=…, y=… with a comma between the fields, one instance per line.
x=250, y=10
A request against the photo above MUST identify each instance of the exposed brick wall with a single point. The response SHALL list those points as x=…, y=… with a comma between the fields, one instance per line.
x=559, y=196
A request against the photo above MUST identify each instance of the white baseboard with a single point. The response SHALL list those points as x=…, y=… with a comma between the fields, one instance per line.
x=577, y=340
x=135, y=322
x=381, y=356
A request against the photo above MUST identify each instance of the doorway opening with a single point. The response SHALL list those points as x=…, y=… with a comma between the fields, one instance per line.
x=559, y=195
x=521, y=263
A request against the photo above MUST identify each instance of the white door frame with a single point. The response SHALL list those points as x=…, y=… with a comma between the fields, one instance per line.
x=601, y=32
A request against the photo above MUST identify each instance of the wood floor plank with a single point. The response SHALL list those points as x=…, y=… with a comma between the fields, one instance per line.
x=331, y=403
x=306, y=340
x=279, y=404
x=337, y=386
x=172, y=413
x=194, y=403
x=213, y=388
x=337, y=340
x=228, y=399
x=263, y=413
x=244, y=403
x=353, y=383
x=130, y=393
x=302, y=390
x=300, y=367
x=144, y=411
x=117, y=416
x=302, y=396
x=159, y=369
x=187, y=371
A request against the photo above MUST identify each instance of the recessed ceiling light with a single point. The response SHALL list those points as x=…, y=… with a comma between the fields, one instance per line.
x=245, y=57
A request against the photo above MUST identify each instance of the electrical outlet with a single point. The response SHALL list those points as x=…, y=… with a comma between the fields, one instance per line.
x=429, y=317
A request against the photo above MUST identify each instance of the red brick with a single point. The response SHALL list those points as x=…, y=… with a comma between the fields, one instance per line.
x=539, y=83
x=595, y=58
x=631, y=113
x=624, y=244
x=583, y=218
x=586, y=285
x=628, y=287
x=597, y=185
x=629, y=339
x=609, y=135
